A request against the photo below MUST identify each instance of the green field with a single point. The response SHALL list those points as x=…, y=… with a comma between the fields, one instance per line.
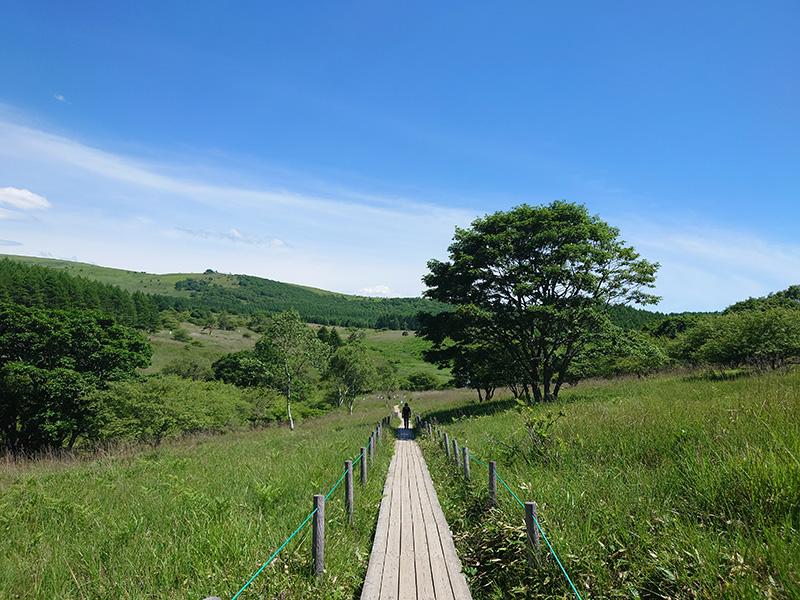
x=191, y=519
x=403, y=352
x=673, y=487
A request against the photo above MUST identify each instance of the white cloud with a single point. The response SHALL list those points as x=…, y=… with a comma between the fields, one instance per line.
x=22, y=200
x=377, y=290
x=59, y=97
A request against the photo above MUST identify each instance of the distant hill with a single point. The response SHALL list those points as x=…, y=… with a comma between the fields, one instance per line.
x=234, y=294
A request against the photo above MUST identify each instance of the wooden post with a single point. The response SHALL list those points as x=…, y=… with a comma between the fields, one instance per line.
x=493, y=482
x=363, y=466
x=465, y=454
x=531, y=514
x=447, y=445
x=348, y=489
x=455, y=451
x=318, y=537
x=372, y=450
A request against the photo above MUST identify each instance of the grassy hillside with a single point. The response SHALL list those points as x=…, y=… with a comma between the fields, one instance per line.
x=675, y=487
x=247, y=295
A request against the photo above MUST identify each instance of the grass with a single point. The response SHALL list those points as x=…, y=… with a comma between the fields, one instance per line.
x=404, y=352
x=191, y=519
x=672, y=487
x=204, y=348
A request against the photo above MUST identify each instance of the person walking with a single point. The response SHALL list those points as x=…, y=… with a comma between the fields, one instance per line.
x=406, y=415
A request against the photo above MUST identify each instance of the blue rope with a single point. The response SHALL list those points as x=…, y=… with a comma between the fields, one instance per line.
x=271, y=558
x=539, y=527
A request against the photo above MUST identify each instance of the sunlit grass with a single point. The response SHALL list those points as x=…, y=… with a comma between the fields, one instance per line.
x=660, y=488
x=191, y=519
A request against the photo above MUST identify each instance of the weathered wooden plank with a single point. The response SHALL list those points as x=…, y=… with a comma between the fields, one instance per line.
x=372, y=581
x=407, y=577
x=422, y=553
x=413, y=555
x=457, y=579
x=439, y=573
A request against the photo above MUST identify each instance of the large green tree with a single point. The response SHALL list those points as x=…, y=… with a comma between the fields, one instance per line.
x=289, y=350
x=49, y=361
x=538, y=282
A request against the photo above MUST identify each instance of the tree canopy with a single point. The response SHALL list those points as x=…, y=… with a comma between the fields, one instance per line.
x=288, y=350
x=535, y=283
x=49, y=361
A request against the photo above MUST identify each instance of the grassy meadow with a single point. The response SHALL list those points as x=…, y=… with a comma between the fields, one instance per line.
x=192, y=518
x=670, y=487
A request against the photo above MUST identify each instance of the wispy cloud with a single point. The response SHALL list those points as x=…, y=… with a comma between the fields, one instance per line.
x=22, y=200
x=59, y=97
x=710, y=268
x=9, y=243
x=233, y=235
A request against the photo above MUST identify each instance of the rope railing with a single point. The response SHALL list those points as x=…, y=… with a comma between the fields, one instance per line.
x=493, y=471
x=376, y=436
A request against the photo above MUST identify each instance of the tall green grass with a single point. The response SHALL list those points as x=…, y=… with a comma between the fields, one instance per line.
x=192, y=519
x=672, y=487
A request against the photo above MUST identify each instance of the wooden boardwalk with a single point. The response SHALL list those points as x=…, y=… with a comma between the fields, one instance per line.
x=413, y=555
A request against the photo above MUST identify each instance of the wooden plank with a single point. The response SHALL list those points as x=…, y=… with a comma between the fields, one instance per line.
x=391, y=561
x=413, y=555
x=407, y=575
x=372, y=581
x=457, y=579
x=422, y=555
x=440, y=576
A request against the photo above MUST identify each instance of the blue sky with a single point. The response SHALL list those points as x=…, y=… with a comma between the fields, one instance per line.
x=339, y=144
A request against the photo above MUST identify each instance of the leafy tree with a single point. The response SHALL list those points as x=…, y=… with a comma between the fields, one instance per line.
x=352, y=371
x=166, y=406
x=242, y=369
x=49, y=361
x=538, y=282
x=387, y=381
x=289, y=350
x=421, y=380
x=618, y=353
x=474, y=360
x=766, y=339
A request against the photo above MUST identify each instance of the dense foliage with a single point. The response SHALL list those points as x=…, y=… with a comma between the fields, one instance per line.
x=534, y=285
x=252, y=295
x=49, y=362
x=40, y=287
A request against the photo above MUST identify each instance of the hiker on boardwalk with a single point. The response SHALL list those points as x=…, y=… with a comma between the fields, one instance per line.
x=406, y=415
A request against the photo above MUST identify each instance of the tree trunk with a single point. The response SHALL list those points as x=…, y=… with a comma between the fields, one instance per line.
x=289, y=399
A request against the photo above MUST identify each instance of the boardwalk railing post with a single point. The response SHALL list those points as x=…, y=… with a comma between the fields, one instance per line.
x=363, y=466
x=465, y=455
x=318, y=537
x=531, y=514
x=447, y=446
x=493, y=482
x=348, y=489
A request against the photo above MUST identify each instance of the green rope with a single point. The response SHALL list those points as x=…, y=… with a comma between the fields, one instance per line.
x=271, y=558
x=539, y=527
